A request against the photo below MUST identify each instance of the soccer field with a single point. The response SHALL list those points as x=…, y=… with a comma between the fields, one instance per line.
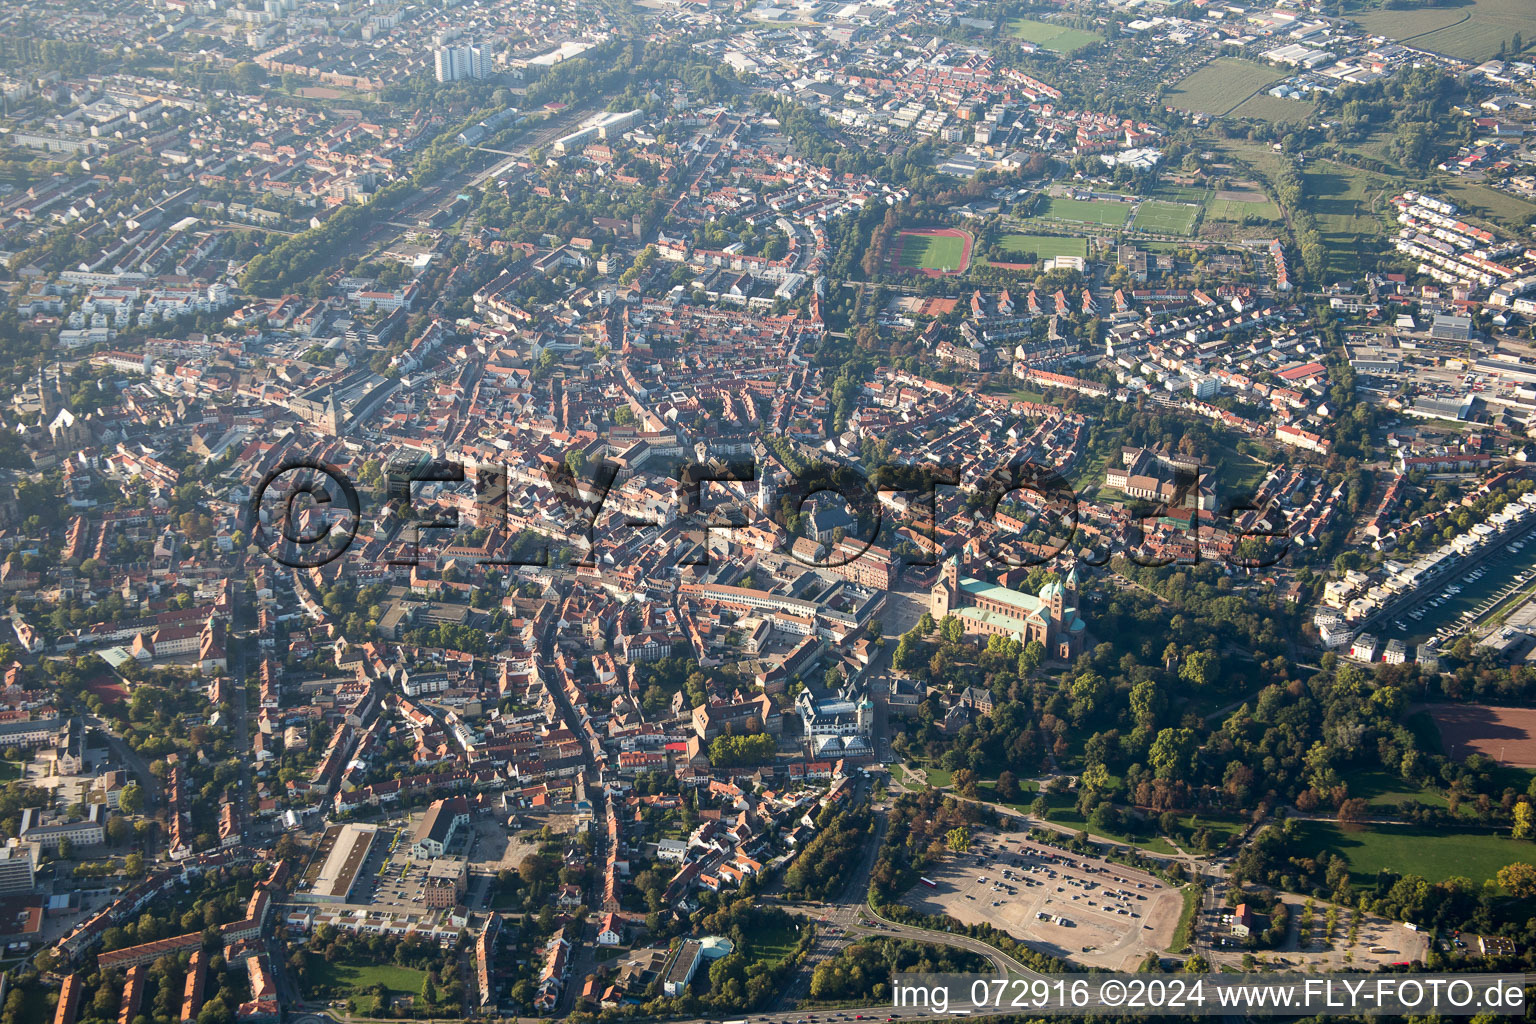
x=932, y=252
x=1059, y=38
x=1046, y=246
x=1088, y=211
x=1168, y=218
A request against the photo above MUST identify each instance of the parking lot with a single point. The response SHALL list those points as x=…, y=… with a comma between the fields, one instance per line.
x=1378, y=941
x=391, y=878
x=379, y=877
x=1082, y=909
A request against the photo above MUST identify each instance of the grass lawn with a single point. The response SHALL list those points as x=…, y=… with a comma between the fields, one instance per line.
x=1088, y=211
x=1239, y=473
x=1165, y=218
x=1257, y=155
x=344, y=978
x=10, y=770
x=1490, y=204
x=1182, y=933
x=1045, y=246
x=1063, y=811
x=938, y=777
x=1341, y=198
x=1087, y=475
x=1223, y=85
x=1223, y=829
x=1235, y=210
x=1059, y=38
x=932, y=252
x=772, y=944
x=1026, y=395
x=1432, y=853
x=1425, y=732
x=1384, y=791
x=1507, y=776
x=1182, y=193
x=1027, y=790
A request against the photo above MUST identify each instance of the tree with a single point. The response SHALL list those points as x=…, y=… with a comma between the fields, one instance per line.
x=1518, y=879
x=1031, y=658
x=1173, y=753
x=1353, y=809
x=729, y=751
x=958, y=839
x=1146, y=702
x=1007, y=786
x=1525, y=821
x=248, y=77
x=119, y=830
x=964, y=781
x=1200, y=669
x=131, y=799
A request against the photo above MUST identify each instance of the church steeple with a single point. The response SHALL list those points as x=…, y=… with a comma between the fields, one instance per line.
x=332, y=423
x=945, y=595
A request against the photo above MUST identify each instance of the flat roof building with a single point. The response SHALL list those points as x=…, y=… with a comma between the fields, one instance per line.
x=343, y=866
x=683, y=967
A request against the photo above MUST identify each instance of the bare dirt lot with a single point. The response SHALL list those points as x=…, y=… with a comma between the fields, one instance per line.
x=1249, y=194
x=1506, y=735
x=1082, y=909
x=494, y=850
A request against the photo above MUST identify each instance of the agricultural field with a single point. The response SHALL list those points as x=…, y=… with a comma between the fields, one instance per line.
x=1045, y=246
x=1432, y=853
x=1059, y=38
x=1474, y=33
x=1264, y=107
x=1406, y=24
x=1165, y=218
x=1107, y=212
x=1223, y=85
